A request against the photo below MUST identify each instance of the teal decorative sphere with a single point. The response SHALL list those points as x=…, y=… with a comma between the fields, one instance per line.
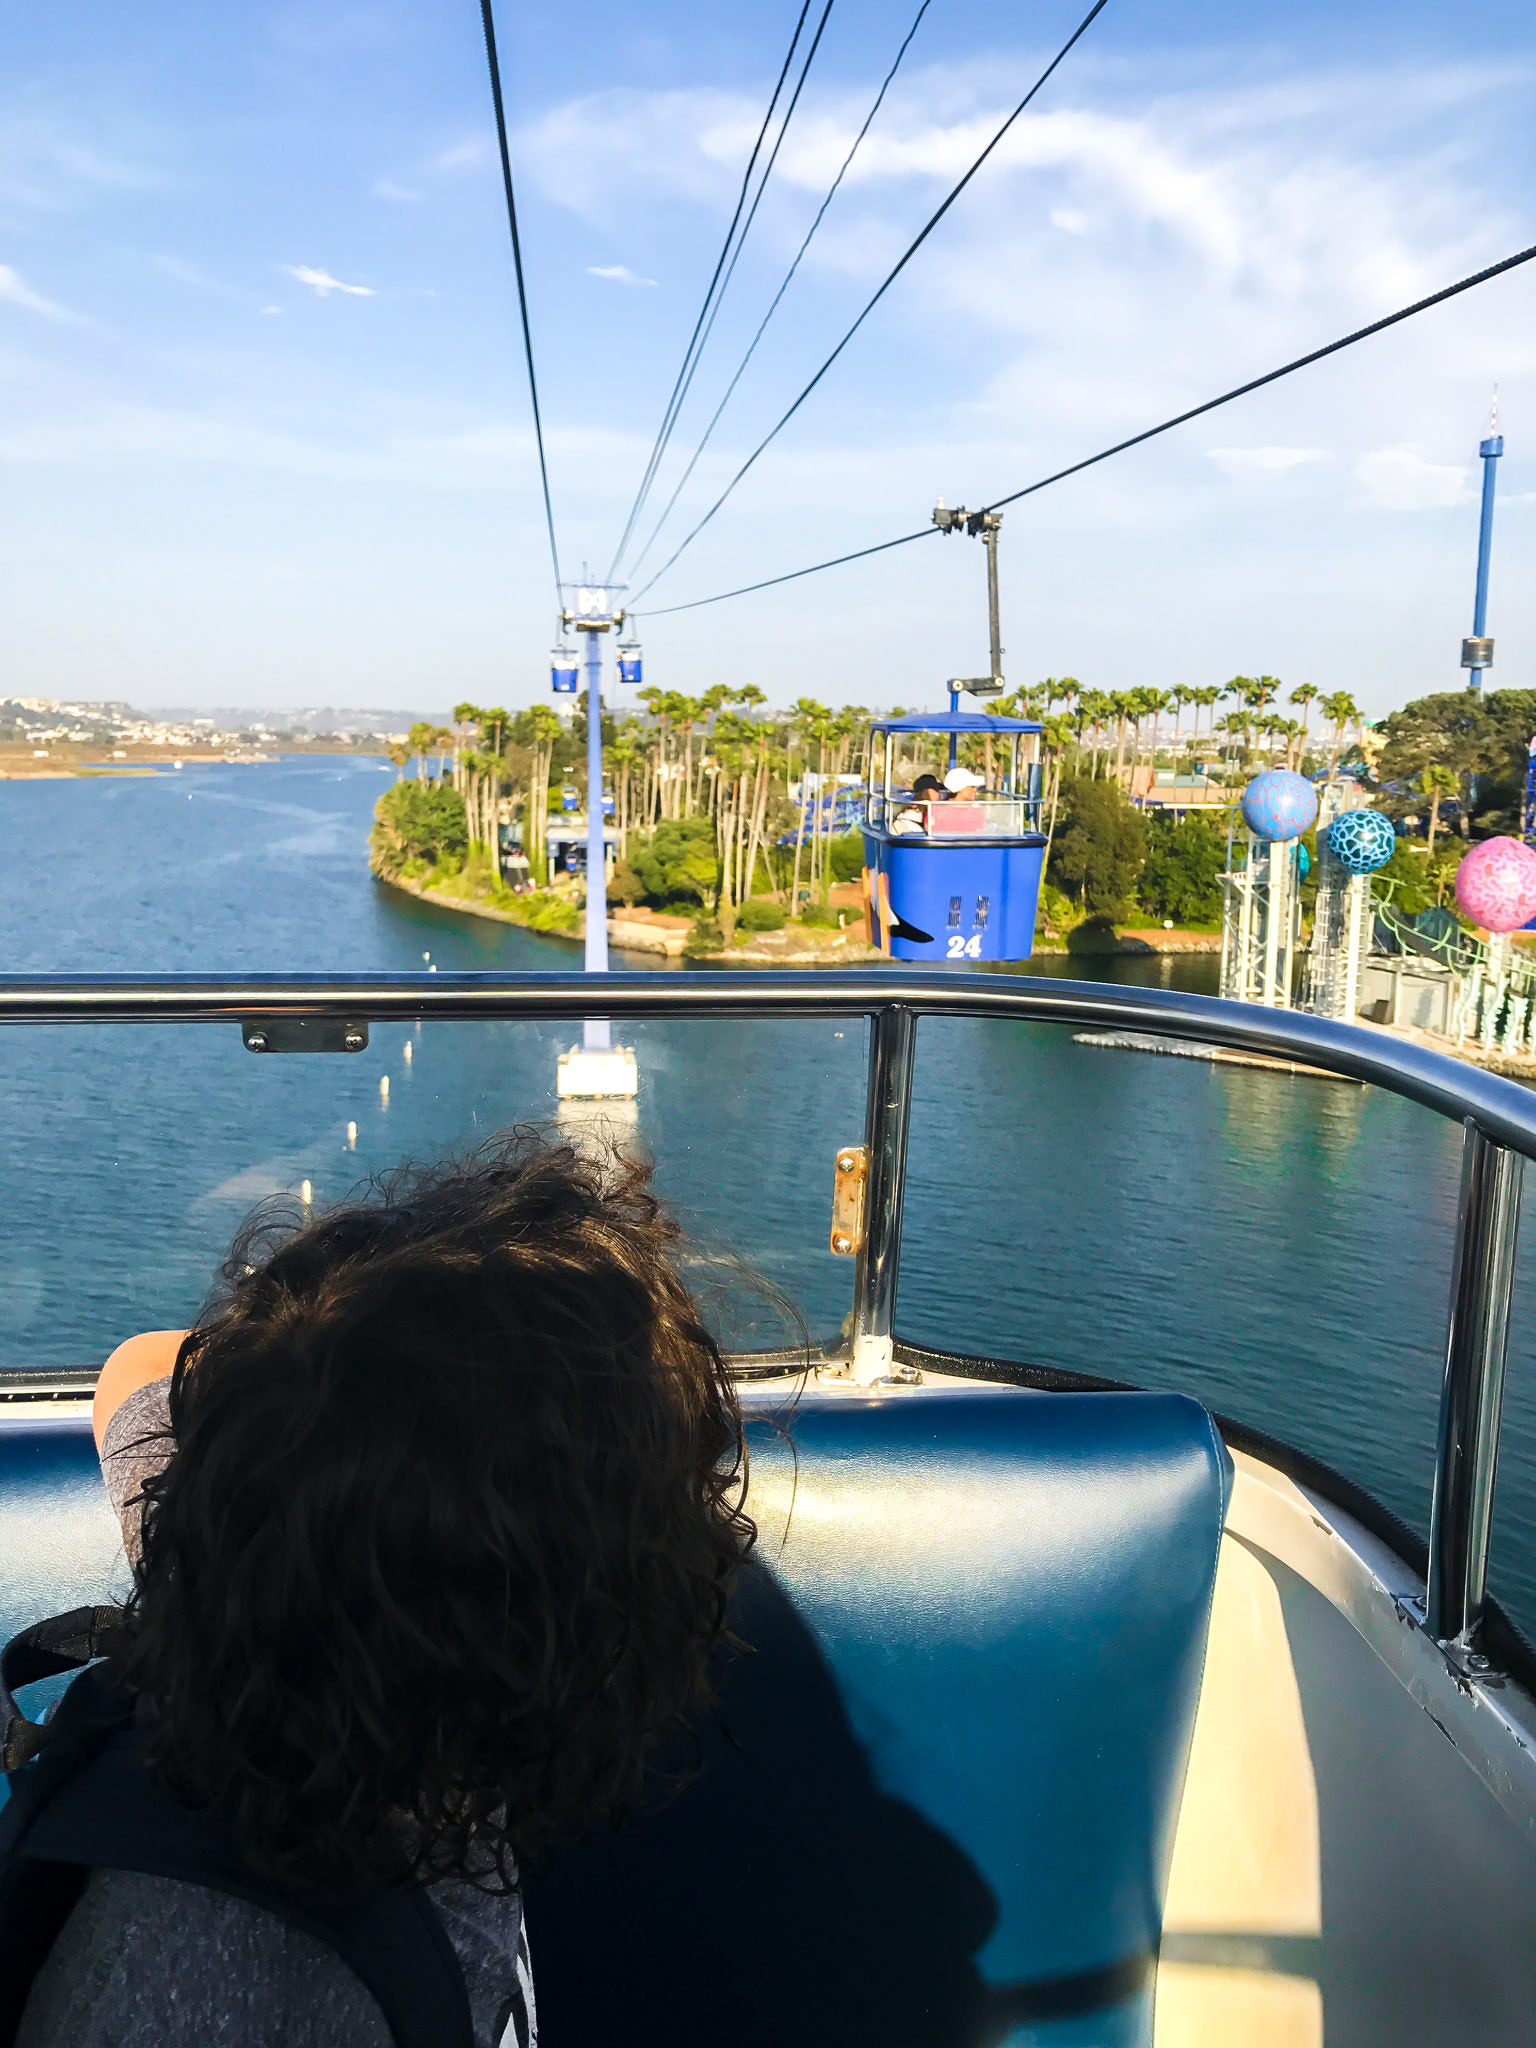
x=1279, y=804
x=1361, y=841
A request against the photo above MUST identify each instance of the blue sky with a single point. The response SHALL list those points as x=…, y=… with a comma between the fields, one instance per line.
x=229, y=478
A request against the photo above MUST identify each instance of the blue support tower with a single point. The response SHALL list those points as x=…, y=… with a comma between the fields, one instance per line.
x=1477, y=653
x=595, y=958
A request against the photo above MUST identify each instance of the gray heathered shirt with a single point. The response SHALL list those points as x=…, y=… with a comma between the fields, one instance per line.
x=149, y=1962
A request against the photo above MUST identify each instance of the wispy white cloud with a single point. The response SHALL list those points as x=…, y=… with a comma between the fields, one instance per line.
x=467, y=155
x=1402, y=480
x=46, y=168
x=15, y=291
x=323, y=284
x=617, y=273
x=1242, y=462
x=386, y=188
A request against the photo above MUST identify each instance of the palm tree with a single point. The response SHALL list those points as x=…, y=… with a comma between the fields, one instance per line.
x=1341, y=711
x=624, y=753
x=1177, y=699
x=544, y=728
x=1436, y=783
x=1156, y=703
x=1122, y=706
x=814, y=722
x=1305, y=694
x=1205, y=699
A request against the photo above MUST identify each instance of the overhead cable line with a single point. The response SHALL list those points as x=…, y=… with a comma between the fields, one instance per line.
x=1315, y=355
x=762, y=186
x=890, y=278
x=690, y=356
x=522, y=289
x=788, y=279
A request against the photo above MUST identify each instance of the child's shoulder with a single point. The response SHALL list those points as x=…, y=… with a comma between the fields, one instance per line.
x=138, y=1363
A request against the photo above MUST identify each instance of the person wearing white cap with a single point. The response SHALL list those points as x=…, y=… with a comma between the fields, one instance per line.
x=962, y=814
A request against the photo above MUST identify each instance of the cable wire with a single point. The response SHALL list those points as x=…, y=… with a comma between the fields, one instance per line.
x=789, y=114
x=685, y=374
x=1315, y=355
x=522, y=290
x=891, y=276
x=788, y=280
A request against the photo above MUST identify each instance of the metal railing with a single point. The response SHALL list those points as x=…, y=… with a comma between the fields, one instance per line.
x=1498, y=1116
x=962, y=817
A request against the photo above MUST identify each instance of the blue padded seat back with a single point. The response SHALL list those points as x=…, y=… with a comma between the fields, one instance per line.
x=941, y=1805
x=937, y=1803
x=59, y=1541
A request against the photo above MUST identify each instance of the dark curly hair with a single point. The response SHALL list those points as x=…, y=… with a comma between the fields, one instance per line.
x=450, y=1526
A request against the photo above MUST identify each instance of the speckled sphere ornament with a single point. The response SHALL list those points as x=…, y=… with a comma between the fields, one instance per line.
x=1361, y=841
x=1496, y=884
x=1279, y=804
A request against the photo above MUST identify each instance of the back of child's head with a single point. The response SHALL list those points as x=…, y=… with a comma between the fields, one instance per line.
x=450, y=1526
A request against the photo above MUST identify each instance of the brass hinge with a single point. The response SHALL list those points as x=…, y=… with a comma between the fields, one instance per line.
x=848, y=1201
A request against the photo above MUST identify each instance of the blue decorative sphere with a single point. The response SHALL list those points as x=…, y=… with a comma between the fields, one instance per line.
x=1279, y=804
x=1361, y=841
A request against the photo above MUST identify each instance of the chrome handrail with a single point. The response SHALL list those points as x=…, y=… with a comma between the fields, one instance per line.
x=1499, y=1117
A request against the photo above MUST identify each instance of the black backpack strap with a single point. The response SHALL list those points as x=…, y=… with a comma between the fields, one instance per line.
x=47, y=1649
x=107, y=1814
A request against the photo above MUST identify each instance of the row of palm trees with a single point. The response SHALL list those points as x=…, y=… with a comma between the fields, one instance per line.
x=722, y=756
x=1131, y=721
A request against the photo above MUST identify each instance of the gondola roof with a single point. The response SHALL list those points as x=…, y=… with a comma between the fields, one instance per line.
x=952, y=721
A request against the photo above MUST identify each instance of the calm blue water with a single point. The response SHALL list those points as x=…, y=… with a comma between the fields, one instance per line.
x=1277, y=1245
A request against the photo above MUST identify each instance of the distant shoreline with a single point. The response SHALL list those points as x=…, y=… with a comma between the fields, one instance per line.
x=64, y=763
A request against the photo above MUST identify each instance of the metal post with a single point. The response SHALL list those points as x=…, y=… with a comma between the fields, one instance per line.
x=1487, y=1228
x=1490, y=450
x=595, y=1036
x=888, y=1114
x=1477, y=653
x=992, y=521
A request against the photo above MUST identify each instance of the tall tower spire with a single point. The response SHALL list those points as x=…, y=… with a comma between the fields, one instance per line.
x=1477, y=652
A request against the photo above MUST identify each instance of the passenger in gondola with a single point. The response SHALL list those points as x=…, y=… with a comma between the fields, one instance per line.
x=926, y=792
x=960, y=813
x=433, y=1518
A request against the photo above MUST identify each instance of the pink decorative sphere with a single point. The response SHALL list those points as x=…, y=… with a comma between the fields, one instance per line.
x=1496, y=884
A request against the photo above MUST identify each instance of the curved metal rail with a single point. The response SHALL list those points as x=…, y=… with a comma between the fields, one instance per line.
x=1499, y=1118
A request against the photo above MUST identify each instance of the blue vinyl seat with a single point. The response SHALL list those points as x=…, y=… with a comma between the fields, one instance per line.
x=937, y=1806
x=936, y=1803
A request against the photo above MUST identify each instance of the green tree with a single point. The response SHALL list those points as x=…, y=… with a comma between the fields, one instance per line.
x=1099, y=846
x=1478, y=735
x=1341, y=711
x=418, y=822
x=678, y=859
x=1436, y=783
x=1181, y=877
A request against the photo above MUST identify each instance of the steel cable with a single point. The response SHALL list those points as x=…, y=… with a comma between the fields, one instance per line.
x=690, y=356
x=522, y=291
x=891, y=276
x=1194, y=412
x=788, y=279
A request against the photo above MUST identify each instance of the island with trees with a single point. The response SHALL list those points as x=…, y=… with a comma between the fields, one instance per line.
x=731, y=838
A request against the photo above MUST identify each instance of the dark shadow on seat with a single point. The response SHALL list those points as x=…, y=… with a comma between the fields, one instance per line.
x=780, y=1899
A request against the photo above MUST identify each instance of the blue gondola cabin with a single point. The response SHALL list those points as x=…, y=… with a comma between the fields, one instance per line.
x=955, y=877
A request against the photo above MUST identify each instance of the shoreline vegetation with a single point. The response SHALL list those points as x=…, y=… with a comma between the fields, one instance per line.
x=62, y=761
x=733, y=825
